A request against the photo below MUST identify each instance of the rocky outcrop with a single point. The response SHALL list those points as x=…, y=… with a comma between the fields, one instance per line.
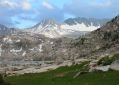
x=115, y=65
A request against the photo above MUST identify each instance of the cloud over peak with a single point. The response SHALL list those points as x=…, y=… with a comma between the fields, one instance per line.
x=47, y=5
x=8, y=4
x=26, y=5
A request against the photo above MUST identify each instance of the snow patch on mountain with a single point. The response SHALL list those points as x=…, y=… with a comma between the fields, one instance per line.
x=24, y=53
x=80, y=27
x=18, y=40
x=50, y=28
x=7, y=40
x=55, y=31
x=40, y=48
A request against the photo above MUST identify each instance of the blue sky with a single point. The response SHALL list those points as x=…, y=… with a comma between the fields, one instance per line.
x=26, y=13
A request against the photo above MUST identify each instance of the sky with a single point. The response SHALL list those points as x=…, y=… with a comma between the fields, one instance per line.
x=26, y=13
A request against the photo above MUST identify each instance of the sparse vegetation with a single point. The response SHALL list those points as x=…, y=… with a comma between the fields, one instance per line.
x=111, y=36
x=78, y=43
x=105, y=61
x=108, y=60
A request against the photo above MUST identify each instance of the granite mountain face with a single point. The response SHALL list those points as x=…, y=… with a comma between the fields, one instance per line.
x=71, y=28
x=87, y=21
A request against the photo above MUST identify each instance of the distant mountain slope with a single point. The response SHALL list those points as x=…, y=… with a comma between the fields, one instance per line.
x=86, y=21
x=70, y=28
x=7, y=31
x=84, y=24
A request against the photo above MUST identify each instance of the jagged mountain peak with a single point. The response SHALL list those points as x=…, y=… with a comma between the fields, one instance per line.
x=47, y=22
x=73, y=27
x=48, y=27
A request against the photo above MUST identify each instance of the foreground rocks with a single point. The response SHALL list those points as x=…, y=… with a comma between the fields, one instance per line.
x=115, y=65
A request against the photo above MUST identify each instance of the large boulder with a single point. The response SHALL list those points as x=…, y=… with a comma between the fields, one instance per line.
x=115, y=65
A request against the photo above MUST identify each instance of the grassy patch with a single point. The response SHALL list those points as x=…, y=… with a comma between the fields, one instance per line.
x=64, y=76
x=2, y=82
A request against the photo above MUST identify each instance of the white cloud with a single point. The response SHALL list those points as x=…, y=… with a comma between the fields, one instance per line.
x=101, y=4
x=25, y=5
x=47, y=5
x=8, y=4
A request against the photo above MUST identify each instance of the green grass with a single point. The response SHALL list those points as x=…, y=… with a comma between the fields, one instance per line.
x=64, y=76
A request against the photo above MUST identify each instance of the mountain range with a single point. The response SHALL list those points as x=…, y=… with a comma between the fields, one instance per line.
x=72, y=28
x=7, y=31
x=24, y=45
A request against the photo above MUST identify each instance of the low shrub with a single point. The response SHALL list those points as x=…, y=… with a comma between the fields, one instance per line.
x=108, y=60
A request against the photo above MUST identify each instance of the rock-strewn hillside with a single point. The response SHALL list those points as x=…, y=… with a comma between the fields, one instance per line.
x=100, y=42
x=31, y=47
